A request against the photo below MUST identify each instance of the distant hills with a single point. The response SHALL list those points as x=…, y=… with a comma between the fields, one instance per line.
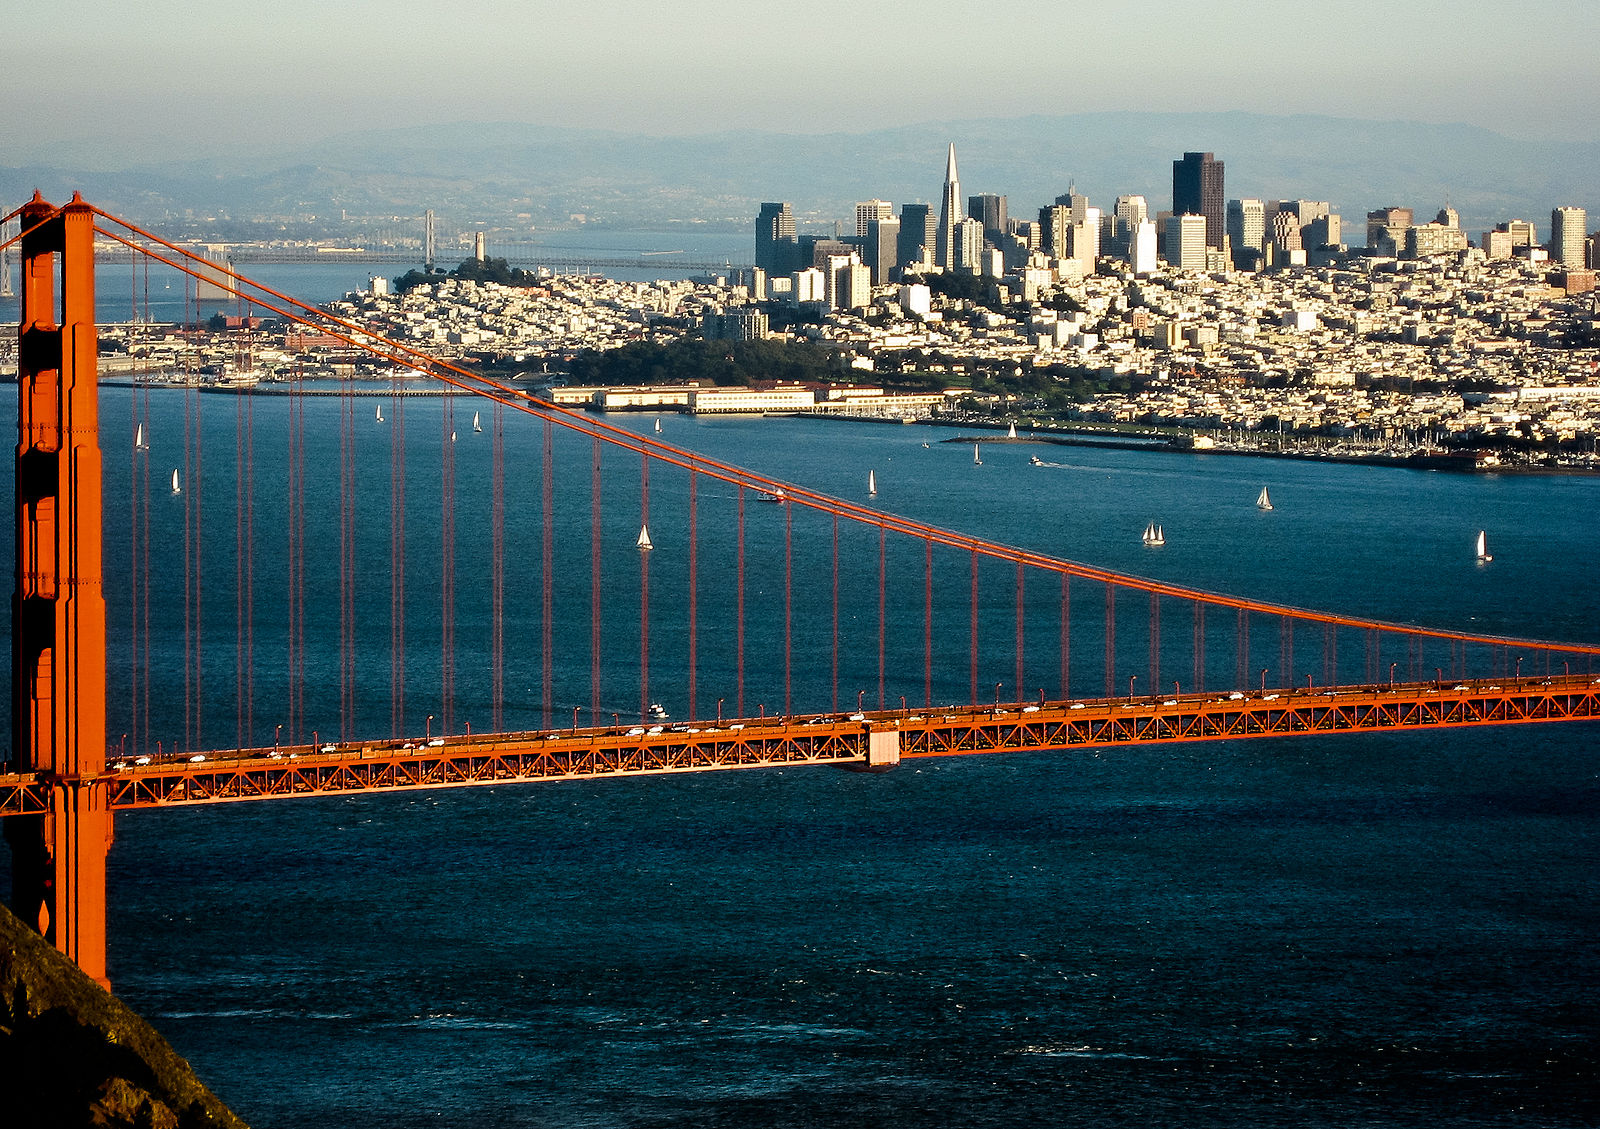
x=511, y=176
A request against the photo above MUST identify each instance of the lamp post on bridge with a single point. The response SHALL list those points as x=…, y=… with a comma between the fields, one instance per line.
x=719, y=711
x=997, y=686
x=1263, y=680
x=1132, y=678
x=1519, y=668
x=859, y=694
x=276, y=734
x=427, y=726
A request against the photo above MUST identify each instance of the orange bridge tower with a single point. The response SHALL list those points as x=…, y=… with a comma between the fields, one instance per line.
x=58, y=617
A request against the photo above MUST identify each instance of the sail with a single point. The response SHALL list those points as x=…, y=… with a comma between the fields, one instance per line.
x=1263, y=502
x=380, y=413
x=176, y=489
x=658, y=425
x=975, y=459
x=476, y=426
x=138, y=438
x=644, y=538
x=1011, y=432
x=1483, y=547
x=872, y=482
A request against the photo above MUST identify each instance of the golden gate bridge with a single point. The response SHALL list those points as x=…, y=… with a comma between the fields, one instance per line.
x=914, y=622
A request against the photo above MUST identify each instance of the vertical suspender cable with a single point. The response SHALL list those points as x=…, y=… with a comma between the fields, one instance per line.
x=972, y=663
x=694, y=591
x=1066, y=636
x=788, y=609
x=142, y=580
x=498, y=581
x=1199, y=647
x=397, y=560
x=883, y=569
x=1155, y=643
x=238, y=570
x=447, y=571
x=546, y=562
x=594, y=582
x=927, y=621
x=1021, y=590
x=249, y=568
x=347, y=561
x=1111, y=639
x=835, y=629
x=739, y=605
x=644, y=587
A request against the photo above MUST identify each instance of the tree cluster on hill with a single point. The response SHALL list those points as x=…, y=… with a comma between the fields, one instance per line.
x=725, y=363
x=473, y=270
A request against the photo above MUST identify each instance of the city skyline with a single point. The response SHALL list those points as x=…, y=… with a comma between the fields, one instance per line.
x=635, y=65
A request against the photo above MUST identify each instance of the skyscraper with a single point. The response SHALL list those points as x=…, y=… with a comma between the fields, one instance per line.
x=1186, y=241
x=1567, y=235
x=1197, y=191
x=1247, y=230
x=990, y=210
x=881, y=247
x=950, y=214
x=776, y=250
x=1386, y=230
x=917, y=234
x=869, y=210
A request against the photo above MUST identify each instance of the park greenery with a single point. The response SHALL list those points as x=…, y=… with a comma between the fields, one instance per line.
x=473, y=270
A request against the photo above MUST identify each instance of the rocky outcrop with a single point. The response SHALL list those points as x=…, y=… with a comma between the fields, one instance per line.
x=73, y=1055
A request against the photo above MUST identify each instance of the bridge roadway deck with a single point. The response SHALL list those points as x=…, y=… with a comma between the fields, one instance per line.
x=566, y=754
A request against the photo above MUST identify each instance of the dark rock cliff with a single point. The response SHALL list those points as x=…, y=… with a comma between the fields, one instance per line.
x=72, y=1054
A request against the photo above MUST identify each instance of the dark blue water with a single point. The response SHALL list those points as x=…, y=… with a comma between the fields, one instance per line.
x=1360, y=931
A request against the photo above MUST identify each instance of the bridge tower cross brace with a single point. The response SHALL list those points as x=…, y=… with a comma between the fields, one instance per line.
x=58, y=617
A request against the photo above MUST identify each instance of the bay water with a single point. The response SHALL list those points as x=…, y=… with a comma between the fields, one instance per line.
x=1356, y=931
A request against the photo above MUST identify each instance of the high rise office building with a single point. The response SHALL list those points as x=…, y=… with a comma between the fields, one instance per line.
x=1567, y=236
x=1129, y=211
x=1054, y=220
x=917, y=235
x=989, y=210
x=1186, y=241
x=1197, y=191
x=967, y=250
x=881, y=249
x=1247, y=230
x=950, y=214
x=1386, y=230
x=776, y=249
x=869, y=210
x=1523, y=234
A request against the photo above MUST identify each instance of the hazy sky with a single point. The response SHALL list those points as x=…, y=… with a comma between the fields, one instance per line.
x=158, y=70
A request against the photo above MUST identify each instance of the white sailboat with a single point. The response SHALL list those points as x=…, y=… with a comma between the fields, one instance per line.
x=138, y=439
x=1153, y=535
x=1483, y=548
x=644, y=538
x=1011, y=432
x=872, y=482
x=1262, y=501
x=380, y=413
x=976, y=461
x=476, y=426
x=452, y=437
x=658, y=425
x=176, y=489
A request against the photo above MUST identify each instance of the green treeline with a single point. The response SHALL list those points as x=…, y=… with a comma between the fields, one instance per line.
x=724, y=363
x=473, y=270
